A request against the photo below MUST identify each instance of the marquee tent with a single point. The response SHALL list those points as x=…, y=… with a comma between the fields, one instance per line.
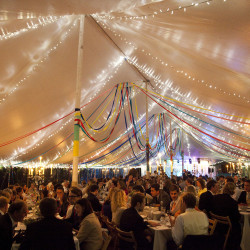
x=194, y=57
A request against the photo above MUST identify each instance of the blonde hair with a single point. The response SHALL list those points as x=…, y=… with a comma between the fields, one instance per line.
x=118, y=199
x=110, y=193
x=191, y=189
x=229, y=188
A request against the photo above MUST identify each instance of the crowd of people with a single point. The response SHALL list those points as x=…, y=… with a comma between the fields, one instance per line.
x=66, y=211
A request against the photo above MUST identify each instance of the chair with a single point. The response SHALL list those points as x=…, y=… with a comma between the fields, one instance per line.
x=126, y=237
x=225, y=226
x=112, y=231
x=198, y=242
x=211, y=226
x=106, y=240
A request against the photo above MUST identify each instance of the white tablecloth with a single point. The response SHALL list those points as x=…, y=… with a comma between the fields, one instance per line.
x=161, y=235
x=245, y=241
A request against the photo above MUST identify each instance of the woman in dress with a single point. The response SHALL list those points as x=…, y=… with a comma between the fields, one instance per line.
x=90, y=232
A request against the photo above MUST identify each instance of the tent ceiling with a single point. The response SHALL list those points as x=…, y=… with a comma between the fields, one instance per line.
x=200, y=56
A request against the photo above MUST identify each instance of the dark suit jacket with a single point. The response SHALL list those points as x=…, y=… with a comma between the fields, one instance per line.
x=132, y=221
x=164, y=196
x=243, y=197
x=225, y=205
x=6, y=232
x=96, y=205
x=206, y=201
x=48, y=234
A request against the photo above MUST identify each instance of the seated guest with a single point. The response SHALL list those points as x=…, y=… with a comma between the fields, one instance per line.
x=4, y=203
x=62, y=203
x=200, y=183
x=118, y=205
x=51, y=190
x=188, y=182
x=122, y=185
x=16, y=213
x=191, y=222
x=237, y=191
x=7, y=194
x=92, y=197
x=132, y=221
x=75, y=194
x=225, y=205
x=206, y=199
x=90, y=232
x=176, y=201
x=44, y=194
x=159, y=195
x=140, y=189
x=106, y=208
x=49, y=232
x=245, y=195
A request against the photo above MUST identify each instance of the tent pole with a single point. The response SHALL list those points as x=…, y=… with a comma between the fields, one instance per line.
x=171, y=149
x=77, y=114
x=182, y=151
x=147, y=137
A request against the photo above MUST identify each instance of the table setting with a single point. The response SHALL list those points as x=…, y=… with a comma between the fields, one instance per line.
x=162, y=232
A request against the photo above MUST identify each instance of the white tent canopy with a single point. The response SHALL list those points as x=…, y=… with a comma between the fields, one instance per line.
x=195, y=53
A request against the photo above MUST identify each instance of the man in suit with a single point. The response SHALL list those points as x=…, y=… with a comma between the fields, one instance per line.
x=92, y=197
x=245, y=195
x=49, y=232
x=3, y=205
x=225, y=205
x=206, y=199
x=132, y=221
x=16, y=213
x=160, y=195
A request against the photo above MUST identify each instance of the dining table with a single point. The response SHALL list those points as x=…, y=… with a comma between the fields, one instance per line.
x=162, y=233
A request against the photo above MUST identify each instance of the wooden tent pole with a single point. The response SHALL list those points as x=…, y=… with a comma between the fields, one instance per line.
x=77, y=114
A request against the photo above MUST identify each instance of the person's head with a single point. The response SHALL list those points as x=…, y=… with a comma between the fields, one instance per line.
x=48, y=207
x=114, y=183
x=229, y=179
x=4, y=204
x=229, y=188
x=18, y=210
x=6, y=194
x=138, y=189
x=247, y=185
x=50, y=186
x=75, y=194
x=59, y=192
x=94, y=189
x=83, y=208
x=236, y=178
x=66, y=183
x=155, y=189
x=44, y=193
x=191, y=189
x=174, y=192
x=189, y=181
x=221, y=178
x=19, y=191
x=200, y=183
x=32, y=185
x=121, y=184
x=213, y=186
x=130, y=187
x=188, y=201
x=138, y=202
x=118, y=199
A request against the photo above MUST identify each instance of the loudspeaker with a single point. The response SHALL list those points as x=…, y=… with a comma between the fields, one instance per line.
x=198, y=160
